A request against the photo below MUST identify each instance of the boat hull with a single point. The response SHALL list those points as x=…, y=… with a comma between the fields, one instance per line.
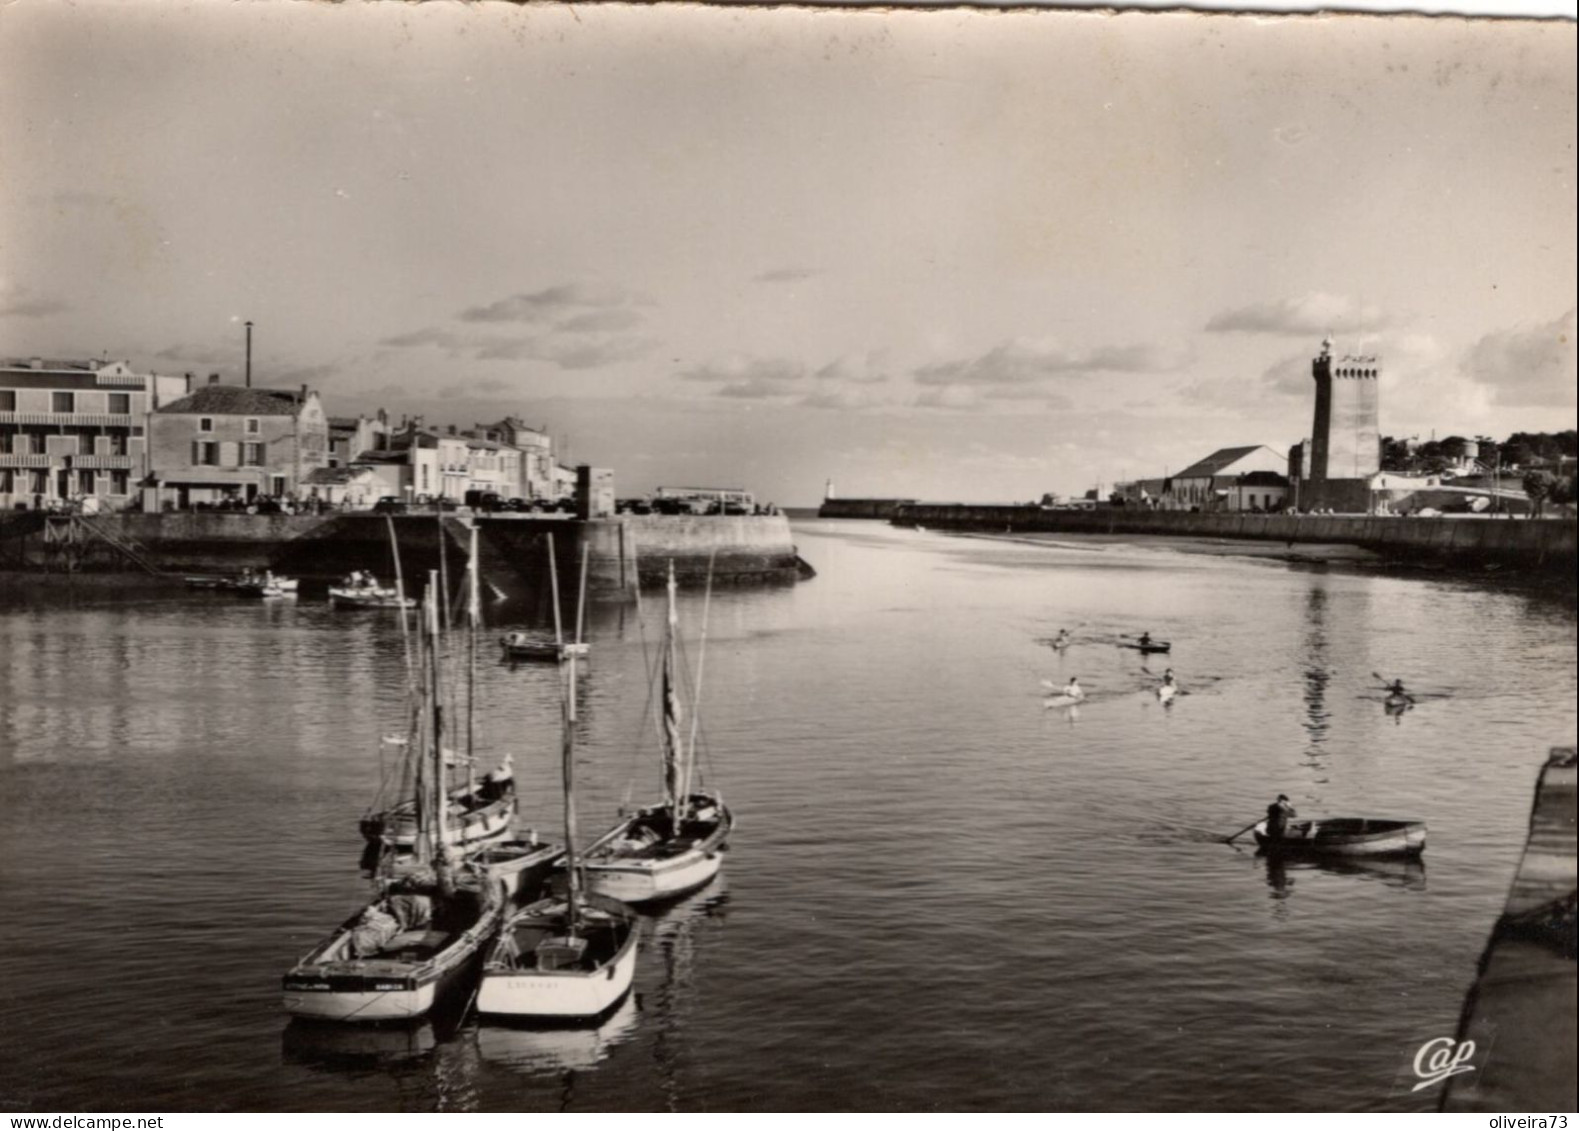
x=666, y=874
x=330, y=985
x=572, y=994
x=1346, y=836
x=397, y=827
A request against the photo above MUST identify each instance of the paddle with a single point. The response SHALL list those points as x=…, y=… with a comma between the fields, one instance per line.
x=1243, y=831
x=1388, y=686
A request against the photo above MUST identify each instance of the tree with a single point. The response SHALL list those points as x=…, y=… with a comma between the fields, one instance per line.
x=1537, y=486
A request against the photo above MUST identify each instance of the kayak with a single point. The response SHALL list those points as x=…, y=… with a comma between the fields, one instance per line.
x=1347, y=836
x=1062, y=701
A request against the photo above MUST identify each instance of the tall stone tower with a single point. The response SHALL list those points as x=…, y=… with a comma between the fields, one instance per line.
x=1345, y=438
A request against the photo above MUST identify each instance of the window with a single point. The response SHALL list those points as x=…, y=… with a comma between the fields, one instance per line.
x=7, y=400
x=252, y=455
x=63, y=402
x=205, y=424
x=121, y=404
x=5, y=480
x=117, y=443
x=205, y=453
x=85, y=481
x=120, y=482
x=253, y=426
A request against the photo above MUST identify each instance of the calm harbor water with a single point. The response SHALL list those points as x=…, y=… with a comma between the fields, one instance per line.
x=941, y=894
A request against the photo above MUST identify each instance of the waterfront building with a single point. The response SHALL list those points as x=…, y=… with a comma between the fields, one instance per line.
x=76, y=431
x=349, y=488
x=535, y=476
x=1345, y=448
x=350, y=436
x=1249, y=478
x=232, y=443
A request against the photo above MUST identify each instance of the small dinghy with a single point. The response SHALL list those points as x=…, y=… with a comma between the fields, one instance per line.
x=265, y=584
x=527, y=646
x=1346, y=836
x=1150, y=647
x=361, y=590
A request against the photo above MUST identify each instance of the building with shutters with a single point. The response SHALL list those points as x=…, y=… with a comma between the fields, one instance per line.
x=75, y=432
x=230, y=444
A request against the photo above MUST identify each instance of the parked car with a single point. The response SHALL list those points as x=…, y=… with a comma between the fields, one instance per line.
x=390, y=504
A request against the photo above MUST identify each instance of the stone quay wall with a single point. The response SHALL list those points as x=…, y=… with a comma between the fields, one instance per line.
x=1531, y=543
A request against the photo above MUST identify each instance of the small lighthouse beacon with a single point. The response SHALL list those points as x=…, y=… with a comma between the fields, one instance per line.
x=827, y=491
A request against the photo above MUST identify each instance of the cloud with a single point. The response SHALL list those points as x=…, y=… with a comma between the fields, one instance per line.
x=574, y=326
x=17, y=301
x=552, y=304
x=741, y=369
x=431, y=336
x=866, y=370
x=1528, y=366
x=1313, y=315
x=1022, y=362
x=786, y=275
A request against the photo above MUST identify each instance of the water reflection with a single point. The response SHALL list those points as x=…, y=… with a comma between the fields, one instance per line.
x=1407, y=873
x=1317, y=674
x=674, y=940
x=539, y=1051
x=430, y=1068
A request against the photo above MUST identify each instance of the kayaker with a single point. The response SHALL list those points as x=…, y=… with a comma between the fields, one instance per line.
x=1168, y=689
x=1277, y=815
x=1062, y=639
x=1397, y=688
x=1073, y=689
x=1145, y=638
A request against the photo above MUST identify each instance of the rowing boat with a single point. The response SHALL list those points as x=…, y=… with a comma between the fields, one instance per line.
x=1347, y=836
x=1151, y=647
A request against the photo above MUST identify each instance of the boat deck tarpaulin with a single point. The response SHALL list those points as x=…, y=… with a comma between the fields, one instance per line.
x=1523, y=1011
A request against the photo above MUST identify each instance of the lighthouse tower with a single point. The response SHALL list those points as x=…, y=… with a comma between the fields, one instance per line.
x=1345, y=438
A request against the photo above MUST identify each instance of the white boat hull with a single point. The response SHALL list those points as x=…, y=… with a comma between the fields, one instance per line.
x=367, y=1005
x=649, y=881
x=558, y=995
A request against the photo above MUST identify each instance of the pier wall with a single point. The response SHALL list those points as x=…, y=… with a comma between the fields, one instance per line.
x=512, y=551
x=1522, y=1013
x=1538, y=543
x=861, y=508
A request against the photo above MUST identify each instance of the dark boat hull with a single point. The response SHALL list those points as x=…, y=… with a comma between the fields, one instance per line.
x=1346, y=836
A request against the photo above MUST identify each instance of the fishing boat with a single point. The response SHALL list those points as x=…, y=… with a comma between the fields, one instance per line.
x=361, y=590
x=529, y=646
x=265, y=583
x=420, y=938
x=571, y=956
x=677, y=845
x=1346, y=836
x=480, y=810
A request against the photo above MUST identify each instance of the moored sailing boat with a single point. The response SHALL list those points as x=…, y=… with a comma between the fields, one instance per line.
x=676, y=846
x=481, y=809
x=433, y=911
x=570, y=957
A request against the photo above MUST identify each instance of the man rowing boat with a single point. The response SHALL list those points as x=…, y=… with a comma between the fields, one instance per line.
x=1277, y=815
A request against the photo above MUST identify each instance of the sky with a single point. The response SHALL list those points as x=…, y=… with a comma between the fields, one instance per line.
x=944, y=254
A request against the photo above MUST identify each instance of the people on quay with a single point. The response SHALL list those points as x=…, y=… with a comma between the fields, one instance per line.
x=1277, y=816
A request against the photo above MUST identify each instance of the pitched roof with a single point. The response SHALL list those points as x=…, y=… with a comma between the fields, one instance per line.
x=1217, y=462
x=233, y=400
x=334, y=475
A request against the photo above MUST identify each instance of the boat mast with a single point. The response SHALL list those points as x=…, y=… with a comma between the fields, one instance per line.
x=567, y=753
x=673, y=748
x=474, y=620
x=440, y=787
x=696, y=696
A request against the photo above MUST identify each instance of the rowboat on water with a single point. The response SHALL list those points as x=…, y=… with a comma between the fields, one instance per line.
x=266, y=584
x=527, y=646
x=1346, y=836
x=1151, y=647
x=361, y=590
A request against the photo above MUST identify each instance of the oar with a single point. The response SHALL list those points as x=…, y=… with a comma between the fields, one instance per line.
x=1243, y=831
